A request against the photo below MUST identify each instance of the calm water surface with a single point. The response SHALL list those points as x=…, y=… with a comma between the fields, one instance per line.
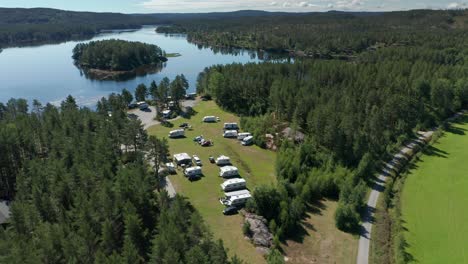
x=47, y=72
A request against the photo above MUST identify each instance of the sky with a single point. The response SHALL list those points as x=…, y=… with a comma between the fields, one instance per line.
x=198, y=6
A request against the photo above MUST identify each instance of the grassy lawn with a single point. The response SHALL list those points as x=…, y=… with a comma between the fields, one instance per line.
x=320, y=241
x=435, y=201
x=255, y=165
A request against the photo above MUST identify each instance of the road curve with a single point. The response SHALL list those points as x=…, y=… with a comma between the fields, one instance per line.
x=390, y=168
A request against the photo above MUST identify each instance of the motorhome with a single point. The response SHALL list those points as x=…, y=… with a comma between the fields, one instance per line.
x=247, y=141
x=230, y=134
x=166, y=114
x=142, y=105
x=223, y=160
x=231, y=126
x=193, y=172
x=228, y=172
x=209, y=119
x=170, y=167
x=177, y=133
x=182, y=158
x=233, y=185
x=238, y=200
x=241, y=136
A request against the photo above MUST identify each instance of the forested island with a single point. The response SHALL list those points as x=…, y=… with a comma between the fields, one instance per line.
x=115, y=59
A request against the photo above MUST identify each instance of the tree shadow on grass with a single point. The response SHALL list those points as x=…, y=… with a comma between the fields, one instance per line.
x=430, y=150
x=456, y=130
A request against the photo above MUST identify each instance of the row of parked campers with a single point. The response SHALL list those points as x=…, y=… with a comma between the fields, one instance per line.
x=236, y=198
x=178, y=133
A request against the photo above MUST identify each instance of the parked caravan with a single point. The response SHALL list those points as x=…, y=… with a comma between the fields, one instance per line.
x=234, y=193
x=209, y=119
x=166, y=114
x=231, y=126
x=233, y=185
x=193, y=172
x=247, y=141
x=241, y=136
x=182, y=158
x=142, y=105
x=238, y=200
x=230, y=134
x=177, y=133
x=228, y=172
x=223, y=160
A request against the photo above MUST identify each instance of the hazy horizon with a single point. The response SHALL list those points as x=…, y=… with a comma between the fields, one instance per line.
x=205, y=6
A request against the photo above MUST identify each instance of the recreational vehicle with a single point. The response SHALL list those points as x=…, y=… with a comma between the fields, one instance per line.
x=193, y=172
x=177, y=133
x=182, y=158
x=247, y=141
x=231, y=126
x=222, y=161
x=228, y=172
x=166, y=114
x=209, y=119
x=241, y=136
x=230, y=134
x=233, y=185
x=238, y=200
x=142, y=105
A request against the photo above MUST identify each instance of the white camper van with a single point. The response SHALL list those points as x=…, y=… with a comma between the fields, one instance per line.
x=223, y=160
x=241, y=136
x=209, y=119
x=177, y=133
x=228, y=172
x=231, y=126
x=230, y=134
x=193, y=172
x=247, y=141
x=238, y=200
x=233, y=185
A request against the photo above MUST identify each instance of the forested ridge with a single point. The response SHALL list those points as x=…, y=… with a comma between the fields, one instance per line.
x=353, y=114
x=326, y=35
x=80, y=198
x=117, y=55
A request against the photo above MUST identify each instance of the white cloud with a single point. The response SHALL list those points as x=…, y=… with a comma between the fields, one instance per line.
x=456, y=5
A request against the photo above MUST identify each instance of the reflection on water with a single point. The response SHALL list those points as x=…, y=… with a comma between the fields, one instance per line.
x=47, y=72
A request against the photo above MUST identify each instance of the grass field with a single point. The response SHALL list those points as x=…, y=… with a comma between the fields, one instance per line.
x=256, y=165
x=435, y=201
x=321, y=241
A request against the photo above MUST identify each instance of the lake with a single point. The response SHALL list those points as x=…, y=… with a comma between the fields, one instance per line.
x=47, y=72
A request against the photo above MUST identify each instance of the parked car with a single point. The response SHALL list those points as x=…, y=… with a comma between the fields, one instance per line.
x=198, y=139
x=206, y=143
x=184, y=125
x=230, y=210
x=197, y=160
x=212, y=159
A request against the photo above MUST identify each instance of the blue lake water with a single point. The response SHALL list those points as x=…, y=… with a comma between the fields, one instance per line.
x=47, y=72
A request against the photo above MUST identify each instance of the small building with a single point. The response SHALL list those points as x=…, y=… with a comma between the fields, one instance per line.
x=209, y=119
x=228, y=172
x=243, y=135
x=193, y=172
x=223, y=160
x=234, y=184
x=177, y=133
x=230, y=134
x=182, y=158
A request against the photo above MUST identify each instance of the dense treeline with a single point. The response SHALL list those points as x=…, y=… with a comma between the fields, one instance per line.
x=117, y=55
x=19, y=26
x=79, y=197
x=328, y=35
x=353, y=115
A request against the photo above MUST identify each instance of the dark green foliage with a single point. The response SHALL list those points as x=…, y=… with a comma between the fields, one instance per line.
x=141, y=92
x=75, y=201
x=117, y=55
x=275, y=257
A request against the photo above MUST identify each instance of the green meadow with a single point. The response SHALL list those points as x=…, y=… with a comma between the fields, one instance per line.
x=435, y=201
